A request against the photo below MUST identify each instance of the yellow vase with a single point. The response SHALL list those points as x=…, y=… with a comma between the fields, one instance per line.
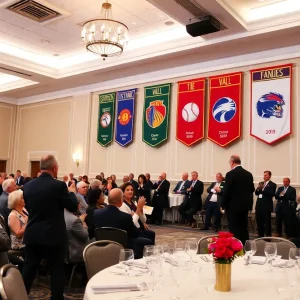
x=223, y=277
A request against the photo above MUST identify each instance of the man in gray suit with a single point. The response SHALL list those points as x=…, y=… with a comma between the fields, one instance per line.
x=8, y=185
x=78, y=236
x=182, y=185
x=82, y=189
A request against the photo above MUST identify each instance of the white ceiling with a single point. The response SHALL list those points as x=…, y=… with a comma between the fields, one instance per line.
x=29, y=47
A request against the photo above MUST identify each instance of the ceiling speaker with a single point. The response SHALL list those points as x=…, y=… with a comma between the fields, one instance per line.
x=206, y=25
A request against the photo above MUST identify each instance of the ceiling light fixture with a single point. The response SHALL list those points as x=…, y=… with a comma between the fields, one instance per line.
x=105, y=36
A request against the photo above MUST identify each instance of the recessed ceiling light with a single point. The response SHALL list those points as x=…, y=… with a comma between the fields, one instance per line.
x=169, y=23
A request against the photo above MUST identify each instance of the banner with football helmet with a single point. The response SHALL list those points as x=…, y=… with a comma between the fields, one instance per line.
x=271, y=103
x=190, y=111
x=225, y=103
x=156, y=114
x=106, y=118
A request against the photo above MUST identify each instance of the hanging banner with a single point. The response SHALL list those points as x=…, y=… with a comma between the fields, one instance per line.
x=156, y=114
x=271, y=103
x=190, y=111
x=125, y=117
x=106, y=118
x=225, y=103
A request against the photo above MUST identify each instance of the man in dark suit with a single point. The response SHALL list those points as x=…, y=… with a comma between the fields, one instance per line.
x=264, y=205
x=181, y=186
x=213, y=203
x=193, y=201
x=71, y=176
x=111, y=216
x=45, y=235
x=237, y=198
x=285, y=208
x=160, y=200
x=147, y=175
x=19, y=179
x=134, y=183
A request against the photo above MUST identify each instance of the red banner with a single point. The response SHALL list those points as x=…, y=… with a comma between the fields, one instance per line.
x=225, y=103
x=190, y=111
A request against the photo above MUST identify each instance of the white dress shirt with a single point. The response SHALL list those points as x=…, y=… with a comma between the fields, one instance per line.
x=135, y=218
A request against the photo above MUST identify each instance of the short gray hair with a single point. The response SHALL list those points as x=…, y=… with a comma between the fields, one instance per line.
x=80, y=184
x=96, y=184
x=13, y=197
x=6, y=184
x=48, y=162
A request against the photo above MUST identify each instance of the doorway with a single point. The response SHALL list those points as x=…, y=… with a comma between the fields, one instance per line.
x=3, y=166
x=35, y=168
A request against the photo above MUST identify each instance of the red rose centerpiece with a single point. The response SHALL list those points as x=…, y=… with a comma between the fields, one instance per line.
x=225, y=248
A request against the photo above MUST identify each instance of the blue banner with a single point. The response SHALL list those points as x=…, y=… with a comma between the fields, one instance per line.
x=125, y=116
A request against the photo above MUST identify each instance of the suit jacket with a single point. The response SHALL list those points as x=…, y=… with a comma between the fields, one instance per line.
x=20, y=181
x=150, y=184
x=70, y=182
x=193, y=198
x=265, y=204
x=135, y=184
x=219, y=195
x=111, y=216
x=83, y=204
x=145, y=191
x=4, y=210
x=287, y=200
x=238, y=190
x=183, y=188
x=45, y=200
x=161, y=194
x=78, y=237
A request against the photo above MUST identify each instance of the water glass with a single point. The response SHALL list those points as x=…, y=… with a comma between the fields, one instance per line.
x=294, y=256
x=270, y=252
x=250, y=249
x=191, y=248
x=126, y=255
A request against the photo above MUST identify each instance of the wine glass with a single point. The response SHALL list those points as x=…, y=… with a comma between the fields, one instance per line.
x=250, y=249
x=126, y=255
x=179, y=273
x=294, y=256
x=191, y=248
x=270, y=252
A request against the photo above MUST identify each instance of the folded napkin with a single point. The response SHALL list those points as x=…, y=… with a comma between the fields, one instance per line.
x=259, y=260
x=282, y=263
x=115, y=288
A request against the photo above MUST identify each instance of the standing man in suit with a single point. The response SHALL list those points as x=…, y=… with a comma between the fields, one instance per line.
x=264, y=205
x=134, y=183
x=181, y=186
x=45, y=235
x=147, y=175
x=19, y=179
x=237, y=198
x=193, y=201
x=160, y=200
x=285, y=208
x=213, y=203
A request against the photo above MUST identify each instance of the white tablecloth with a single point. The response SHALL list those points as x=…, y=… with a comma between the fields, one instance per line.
x=172, y=214
x=247, y=283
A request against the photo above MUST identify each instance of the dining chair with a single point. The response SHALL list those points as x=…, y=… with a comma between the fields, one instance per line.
x=11, y=284
x=100, y=255
x=203, y=243
x=283, y=246
x=111, y=234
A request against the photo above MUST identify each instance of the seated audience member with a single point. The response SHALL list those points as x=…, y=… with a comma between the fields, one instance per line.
x=85, y=179
x=131, y=180
x=72, y=178
x=160, y=200
x=78, y=236
x=8, y=185
x=82, y=189
x=95, y=201
x=96, y=184
x=129, y=206
x=113, y=183
x=11, y=176
x=5, y=246
x=27, y=179
x=79, y=179
x=107, y=189
x=102, y=175
x=147, y=175
x=144, y=189
x=125, y=179
x=99, y=177
x=111, y=216
x=17, y=219
x=182, y=185
x=66, y=180
x=192, y=202
x=212, y=203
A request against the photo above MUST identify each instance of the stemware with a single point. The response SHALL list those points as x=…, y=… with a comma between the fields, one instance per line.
x=125, y=256
x=294, y=256
x=191, y=248
x=250, y=249
x=270, y=252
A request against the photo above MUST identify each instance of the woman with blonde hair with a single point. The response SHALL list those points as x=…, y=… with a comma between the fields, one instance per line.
x=17, y=219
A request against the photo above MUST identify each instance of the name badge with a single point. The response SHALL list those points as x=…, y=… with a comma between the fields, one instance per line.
x=260, y=196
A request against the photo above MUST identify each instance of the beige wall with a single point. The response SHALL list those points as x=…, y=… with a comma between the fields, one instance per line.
x=68, y=125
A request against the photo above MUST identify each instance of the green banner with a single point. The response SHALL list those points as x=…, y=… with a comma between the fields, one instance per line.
x=106, y=118
x=156, y=114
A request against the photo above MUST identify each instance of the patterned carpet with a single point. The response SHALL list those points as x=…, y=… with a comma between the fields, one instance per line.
x=164, y=234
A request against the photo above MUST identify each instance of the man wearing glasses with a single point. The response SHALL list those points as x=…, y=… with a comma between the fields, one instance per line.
x=82, y=189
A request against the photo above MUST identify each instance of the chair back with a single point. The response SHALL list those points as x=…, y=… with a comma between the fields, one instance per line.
x=111, y=234
x=11, y=284
x=283, y=246
x=203, y=243
x=100, y=255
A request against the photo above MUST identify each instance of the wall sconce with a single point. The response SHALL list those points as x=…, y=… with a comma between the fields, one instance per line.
x=76, y=158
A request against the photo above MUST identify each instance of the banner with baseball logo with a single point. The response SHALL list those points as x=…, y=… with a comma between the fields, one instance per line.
x=225, y=103
x=106, y=118
x=271, y=103
x=190, y=111
x=125, y=116
x=156, y=114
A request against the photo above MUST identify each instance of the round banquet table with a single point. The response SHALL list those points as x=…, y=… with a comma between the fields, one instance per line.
x=172, y=214
x=252, y=282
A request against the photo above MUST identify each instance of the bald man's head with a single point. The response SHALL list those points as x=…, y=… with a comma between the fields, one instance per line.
x=115, y=197
x=163, y=175
x=235, y=160
x=185, y=176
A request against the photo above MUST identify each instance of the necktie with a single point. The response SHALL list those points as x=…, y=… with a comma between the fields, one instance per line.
x=86, y=199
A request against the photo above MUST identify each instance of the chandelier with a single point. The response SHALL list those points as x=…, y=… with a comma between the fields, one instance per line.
x=105, y=36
